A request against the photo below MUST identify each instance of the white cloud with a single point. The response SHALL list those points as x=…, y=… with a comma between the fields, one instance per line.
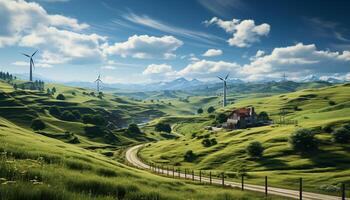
x=108, y=67
x=213, y=52
x=146, y=47
x=157, y=69
x=245, y=32
x=205, y=68
x=258, y=54
x=297, y=60
x=26, y=64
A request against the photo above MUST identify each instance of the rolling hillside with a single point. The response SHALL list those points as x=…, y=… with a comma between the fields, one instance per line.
x=314, y=109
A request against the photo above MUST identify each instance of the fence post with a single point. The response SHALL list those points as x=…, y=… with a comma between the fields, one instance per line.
x=301, y=188
x=179, y=173
x=192, y=175
x=173, y=172
x=343, y=191
x=210, y=177
x=200, y=176
x=265, y=185
x=242, y=182
x=185, y=173
x=223, y=179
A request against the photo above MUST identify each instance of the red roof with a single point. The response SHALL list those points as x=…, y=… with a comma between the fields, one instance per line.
x=242, y=112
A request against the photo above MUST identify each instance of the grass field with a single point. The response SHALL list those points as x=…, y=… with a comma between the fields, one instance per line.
x=322, y=171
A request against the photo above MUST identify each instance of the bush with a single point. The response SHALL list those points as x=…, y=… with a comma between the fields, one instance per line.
x=328, y=128
x=341, y=135
x=93, y=119
x=209, y=142
x=93, y=131
x=221, y=118
x=200, y=110
x=331, y=103
x=263, y=116
x=189, y=156
x=303, y=140
x=211, y=109
x=61, y=97
x=68, y=116
x=76, y=114
x=163, y=127
x=38, y=124
x=133, y=129
x=55, y=111
x=255, y=149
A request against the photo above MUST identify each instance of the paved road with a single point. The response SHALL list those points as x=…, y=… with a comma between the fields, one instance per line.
x=131, y=156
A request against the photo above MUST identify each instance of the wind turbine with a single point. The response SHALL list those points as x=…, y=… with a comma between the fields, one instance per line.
x=31, y=65
x=98, y=81
x=224, y=89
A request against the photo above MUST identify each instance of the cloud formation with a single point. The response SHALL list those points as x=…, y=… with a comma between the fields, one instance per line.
x=146, y=47
x=157, y=69
x=244, y=32
x=213, y=52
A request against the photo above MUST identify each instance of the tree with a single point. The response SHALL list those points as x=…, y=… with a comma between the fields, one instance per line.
x=255, y=149
x=341, y=135
x=303, y=140
x=68, y=116
x=48, y=91
x=163, y=127
x=221, y=118
x=60, y=97
x=15, y=86
x=211, y=109
x=133, y=129
x=53, y=90
x=76, y=114
x=189, y=156
x=87, y=119
x=263, y=116
x=200, y=110
x=37, y=124
x=55, y=111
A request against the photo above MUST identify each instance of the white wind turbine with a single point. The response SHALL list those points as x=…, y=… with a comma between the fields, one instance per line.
x=31, y=65
x=98, y=81
x=224, y=89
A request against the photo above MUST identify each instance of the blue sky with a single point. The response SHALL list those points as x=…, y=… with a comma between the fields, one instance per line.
x=154, y=40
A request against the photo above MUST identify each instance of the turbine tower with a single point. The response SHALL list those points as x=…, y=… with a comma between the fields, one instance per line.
x=98, y=81
x=224, y=89
x=31, y=65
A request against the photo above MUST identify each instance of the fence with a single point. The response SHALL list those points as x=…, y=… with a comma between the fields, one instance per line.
x=177, y=172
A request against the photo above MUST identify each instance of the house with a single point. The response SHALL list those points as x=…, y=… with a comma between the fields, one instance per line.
x=242, y=118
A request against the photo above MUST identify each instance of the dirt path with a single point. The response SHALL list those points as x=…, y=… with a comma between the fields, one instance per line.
x=131, y=156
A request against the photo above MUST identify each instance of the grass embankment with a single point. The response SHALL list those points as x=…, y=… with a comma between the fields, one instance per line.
x=314, y=109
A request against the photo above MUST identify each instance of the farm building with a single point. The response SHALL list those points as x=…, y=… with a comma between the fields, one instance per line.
x=242, y=118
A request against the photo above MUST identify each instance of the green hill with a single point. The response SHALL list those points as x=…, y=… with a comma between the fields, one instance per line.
x=314, y=109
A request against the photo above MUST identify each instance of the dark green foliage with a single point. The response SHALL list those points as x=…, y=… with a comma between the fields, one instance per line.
x=189, y=156
x=76, y=114
x=328, y=128
x=53, y=90
x=211, y=109
x=68, y=116
x=106, y=172
x=133, y=129
x=221, y=118
x=55, y=111
x=331, y=103
x=255, y=149
x=94, y=119
x=162, y=127
x=60, y=97
x=74, y=94
x=303, y=140
x=94, y=131
x=341, y=135
x=38, y=124
x=209, y=142
x=263, y=116
x=15, y=86
x=200, y=110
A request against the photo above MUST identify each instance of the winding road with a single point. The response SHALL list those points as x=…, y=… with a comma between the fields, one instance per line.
x=131, y=157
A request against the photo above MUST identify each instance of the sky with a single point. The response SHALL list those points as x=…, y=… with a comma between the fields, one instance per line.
x=138, y=41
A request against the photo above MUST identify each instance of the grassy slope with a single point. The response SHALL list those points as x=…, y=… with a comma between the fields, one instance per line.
x=329, y=166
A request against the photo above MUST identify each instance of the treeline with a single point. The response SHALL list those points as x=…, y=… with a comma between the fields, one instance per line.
x=9, y=78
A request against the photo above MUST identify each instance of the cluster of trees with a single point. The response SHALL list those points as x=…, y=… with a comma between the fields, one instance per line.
x=209, y=142
x=7, y=76
x=133, y=129
x=38, y=124
x=99, y=95
x=211, y=109
x=51, y=91
x=190, y=156
x=163, y=127
x=36, y=85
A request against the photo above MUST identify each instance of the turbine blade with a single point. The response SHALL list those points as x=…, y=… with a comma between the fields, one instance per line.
x=220, y=78
x=34, y=53
x=26, y=55
x=31, y=60
x=226, y=76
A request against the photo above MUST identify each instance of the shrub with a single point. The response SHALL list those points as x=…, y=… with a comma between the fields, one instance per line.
x=55, y=111
x=93, y=119
x=303, y=140
x=93, y=131
x=263, y=116
x=38, y=124
x=255, y=149
x=200, y=110
x=163, y=127
x=341, y=135
x=189, y=156
x=68, y=116
x=60, y=97
x=211, y=109
x=221, y=118
x=209, y=142
x=76, y=114
x=133, y=129
x=331, y=103
x=328, y=128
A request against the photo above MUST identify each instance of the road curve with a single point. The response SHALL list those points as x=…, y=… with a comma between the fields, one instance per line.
x=131, y=157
